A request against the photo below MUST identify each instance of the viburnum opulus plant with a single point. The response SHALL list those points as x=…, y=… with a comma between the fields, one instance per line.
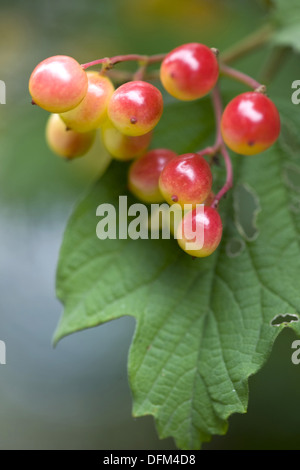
x=83, y=102
x=184, y=367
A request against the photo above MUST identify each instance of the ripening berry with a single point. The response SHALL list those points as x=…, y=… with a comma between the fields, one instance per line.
x=144, y=174
x=92, y=111
x=121, y=146
x=135, y=107
x=190, y=71
x=250, y=123
x=186, y=179
x=67, y=143
x=58, y=84
x=201, y=227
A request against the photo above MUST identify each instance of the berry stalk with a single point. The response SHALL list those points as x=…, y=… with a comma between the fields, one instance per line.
x=230, y=72
x=109, y=62
x=219, y=145
x=229, y=177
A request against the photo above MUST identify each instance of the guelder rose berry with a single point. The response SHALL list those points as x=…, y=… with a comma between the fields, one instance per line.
x=144, y=175
x=121, y=146
x=186, y=179
x=250, y=123
x=201, y=227
x=135, y=107
x=92, y=110
x=67, y=143
x=58, y=84
x=190, y=71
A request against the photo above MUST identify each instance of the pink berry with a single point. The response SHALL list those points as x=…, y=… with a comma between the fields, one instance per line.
x=58, y=84
x=92, y=110
x=67, y=143
x=190, y=71
x=144, y=175
x=121, y=146
x=186, y=179
x=135, y=108
x=201, y=227
x=250, y=123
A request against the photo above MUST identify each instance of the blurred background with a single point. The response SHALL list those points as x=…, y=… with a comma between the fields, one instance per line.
x=76, y=396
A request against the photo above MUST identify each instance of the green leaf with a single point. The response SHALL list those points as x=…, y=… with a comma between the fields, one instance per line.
x=202, y=326
x=287, y=20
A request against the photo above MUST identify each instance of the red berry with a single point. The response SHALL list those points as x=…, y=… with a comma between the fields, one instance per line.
x=250, y=123
x=144, y=174
x=67, y=143
x=121, y=146
x=58, y=84
x=135, y=108
x=186, y=179
x=92, y=111
x=201, y=227
x=190, y=71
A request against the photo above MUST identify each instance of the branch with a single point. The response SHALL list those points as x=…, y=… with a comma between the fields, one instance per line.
x=249, y=44
x=109, y=62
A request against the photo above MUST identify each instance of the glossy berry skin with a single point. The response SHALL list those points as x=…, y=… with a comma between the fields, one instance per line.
x=186, y=179
x=250, y=123
x=144, y=175
x=67, y=143
x=58, y=84
x=121, y=146
x=92, y=110
x=209, y=224
x=135, y=108
x=190, y=71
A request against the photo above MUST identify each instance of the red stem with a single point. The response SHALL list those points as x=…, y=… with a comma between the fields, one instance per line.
x=111, y=61
x=241, y=77
x=217, y=104
x=219, y=146
x=229, y=177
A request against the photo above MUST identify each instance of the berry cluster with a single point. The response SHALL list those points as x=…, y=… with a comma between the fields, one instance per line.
x=82, y=102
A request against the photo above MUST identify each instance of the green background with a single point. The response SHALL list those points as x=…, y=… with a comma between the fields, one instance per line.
x=77, y=395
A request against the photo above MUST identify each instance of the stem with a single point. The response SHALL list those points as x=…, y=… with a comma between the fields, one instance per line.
x=141, y=72
x=248, y=44
x=227, y=71
x=109, y=62
x=217, y=104
x=219, y=146
x=218, y=109
x=229, y=177
x=122, y=76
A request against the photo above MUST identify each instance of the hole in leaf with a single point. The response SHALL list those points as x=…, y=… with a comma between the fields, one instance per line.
x=284, y=319
x=234, y=247
x=292, y=177
x=246, y=208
